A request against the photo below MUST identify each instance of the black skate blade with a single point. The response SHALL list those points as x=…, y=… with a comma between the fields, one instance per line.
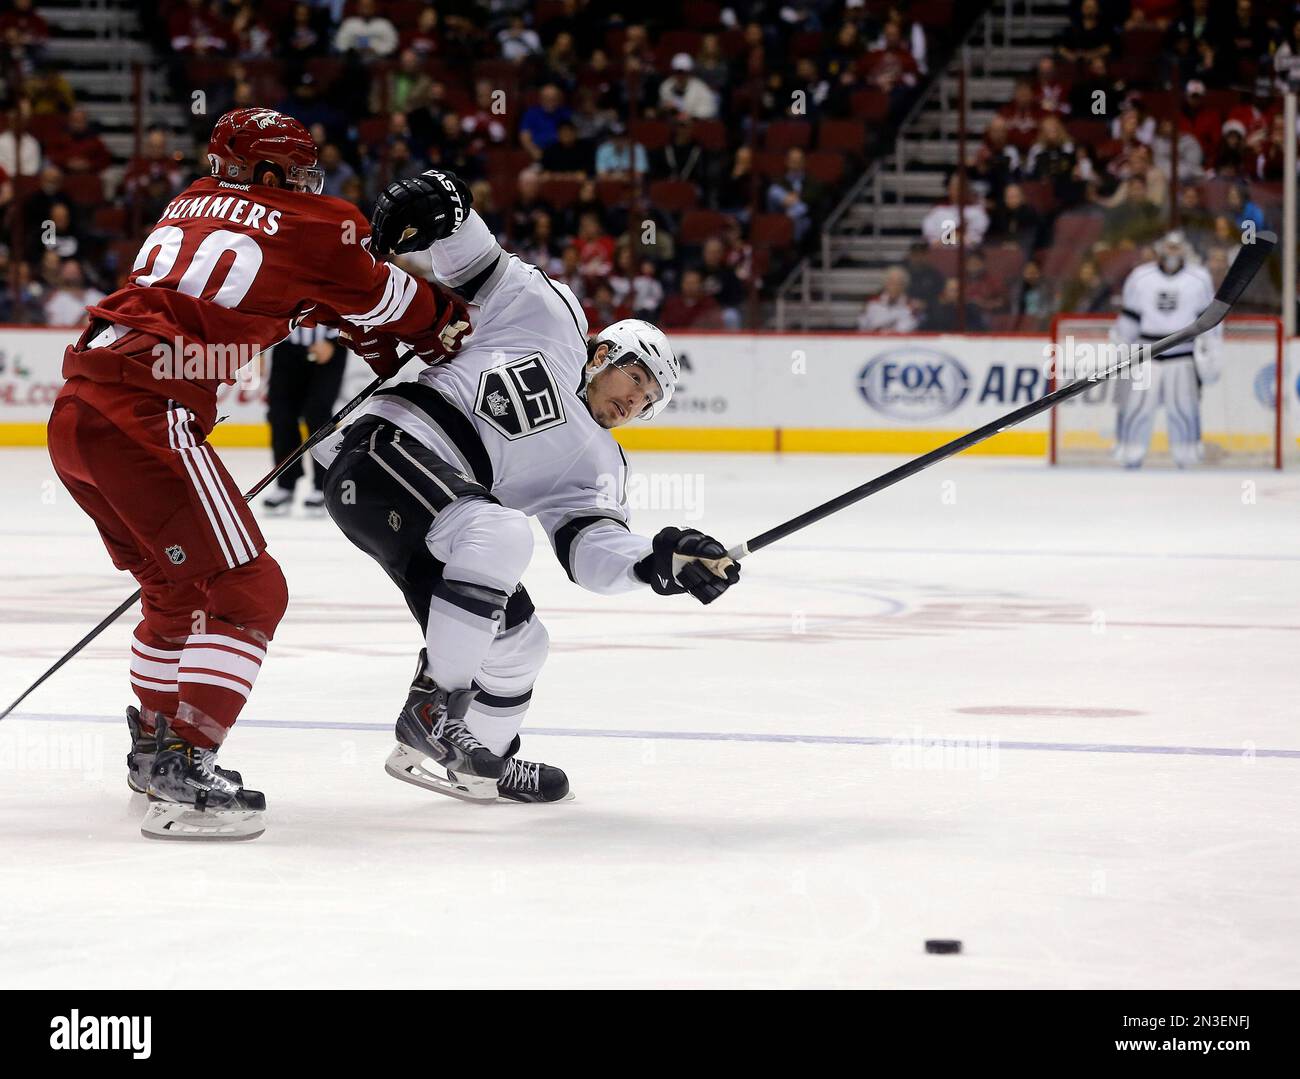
x=177, y=822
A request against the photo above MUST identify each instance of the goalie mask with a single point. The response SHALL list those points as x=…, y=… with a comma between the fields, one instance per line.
x=1172, y=252
x=632, y=340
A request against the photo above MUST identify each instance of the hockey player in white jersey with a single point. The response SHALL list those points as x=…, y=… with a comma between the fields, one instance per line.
x=437, y=477
x=1160, y=297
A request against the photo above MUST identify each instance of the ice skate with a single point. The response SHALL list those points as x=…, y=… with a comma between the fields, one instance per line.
x=431, y=730
x=278, y=503
x=314, y=504
x=143, y=751
x=190, y=798
x=530, y=781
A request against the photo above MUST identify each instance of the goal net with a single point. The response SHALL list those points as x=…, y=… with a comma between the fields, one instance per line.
x=1243, y=420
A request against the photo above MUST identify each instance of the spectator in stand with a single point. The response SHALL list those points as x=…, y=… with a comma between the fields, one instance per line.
x=562, y=61
x=1033, y=301
x=252, y=35
x=1086, y=293
x=1229, y=157
x=692, y=308
x=1014, y=222
x=1022, y=116
x=66, y=304
x=941, y=224
x=602, y=308
x=528, y=204
x=796, y=194
x=1178, y=61
x=996, y=162
x=405, y=88
x=891, y=310
x=485, y=123
x=619, y=158
x=924, y=281
x=1200, y=119
x=587, y=202
x=566, y=158
x=986, y=291
x=1245, y=36
x=647, y=292
x=485, y=207
x=517, y=42
x=736, y=192
x=1270, y=161
x=425, y=39
x=595, y=249
x=540, y=125
x=25, y=27
x=157, y=171
x=711, y=65
x=1053, y=158
x=840, y=63
x=718, y=280
x=943, y=317
x=1255, y=114
x=1097, y=94
x=337, y=171
x=684, y=96
x=48, y=93
x=683, y=158
x=1193, y=218
x=1134, y=123
x=354, y=192
x=1135, y=220
x=1087, y=36
x=1191, y=161
x=1243, y=210
x=305, y=105
x=58, y=234
x=592, y=122
x=542, y=248
x=891, y=68
x=569, y=272
x=196, y=30
x=1052, y=91
x=38, y=208
x=80, y=149
x=368, y=34
x=307, y=34
x=1138, y=162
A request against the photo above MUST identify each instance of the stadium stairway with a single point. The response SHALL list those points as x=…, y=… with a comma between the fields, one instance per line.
x=97, y=44
x=880, y=217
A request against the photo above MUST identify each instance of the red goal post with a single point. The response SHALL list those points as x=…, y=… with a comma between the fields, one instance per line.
x=1244, y=412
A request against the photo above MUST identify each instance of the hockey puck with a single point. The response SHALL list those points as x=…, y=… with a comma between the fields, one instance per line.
x=943, y=947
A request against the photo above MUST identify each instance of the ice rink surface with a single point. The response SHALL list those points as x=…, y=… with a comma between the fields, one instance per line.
x=1052, y=714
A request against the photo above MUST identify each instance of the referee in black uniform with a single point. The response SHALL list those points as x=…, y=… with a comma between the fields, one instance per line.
x=306, y=376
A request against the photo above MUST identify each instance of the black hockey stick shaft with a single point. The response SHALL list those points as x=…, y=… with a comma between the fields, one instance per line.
x=326, y=430
x=1242, y=271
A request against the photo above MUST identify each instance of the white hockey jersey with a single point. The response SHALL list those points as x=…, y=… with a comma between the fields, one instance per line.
x=1155, y=304
x=506, y=410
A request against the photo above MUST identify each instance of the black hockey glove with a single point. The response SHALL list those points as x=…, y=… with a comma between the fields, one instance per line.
x=413, y=214
x=686, y=560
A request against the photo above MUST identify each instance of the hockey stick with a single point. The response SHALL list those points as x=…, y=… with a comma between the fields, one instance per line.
x=1242, y=271
x=326, y=430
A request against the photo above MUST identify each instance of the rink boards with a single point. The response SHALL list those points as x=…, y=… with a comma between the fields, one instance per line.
x=807, y=392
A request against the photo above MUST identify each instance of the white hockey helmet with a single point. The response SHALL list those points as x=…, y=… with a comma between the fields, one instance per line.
x=1172, y=251
x=633, y=340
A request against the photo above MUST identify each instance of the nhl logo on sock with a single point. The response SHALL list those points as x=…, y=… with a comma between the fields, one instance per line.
x=176, y=554
x=394, y=520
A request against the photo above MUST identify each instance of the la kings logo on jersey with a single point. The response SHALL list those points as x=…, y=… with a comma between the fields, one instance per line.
x=519, y=398
x=1167, y=299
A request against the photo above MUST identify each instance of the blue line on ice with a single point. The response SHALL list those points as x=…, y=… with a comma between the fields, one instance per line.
x=726, y=736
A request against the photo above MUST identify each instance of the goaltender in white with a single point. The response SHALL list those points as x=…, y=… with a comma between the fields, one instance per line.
x=436, y=479
x=1159, y=298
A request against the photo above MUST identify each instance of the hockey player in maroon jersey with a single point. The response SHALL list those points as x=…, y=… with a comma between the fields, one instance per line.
x=236, y=260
